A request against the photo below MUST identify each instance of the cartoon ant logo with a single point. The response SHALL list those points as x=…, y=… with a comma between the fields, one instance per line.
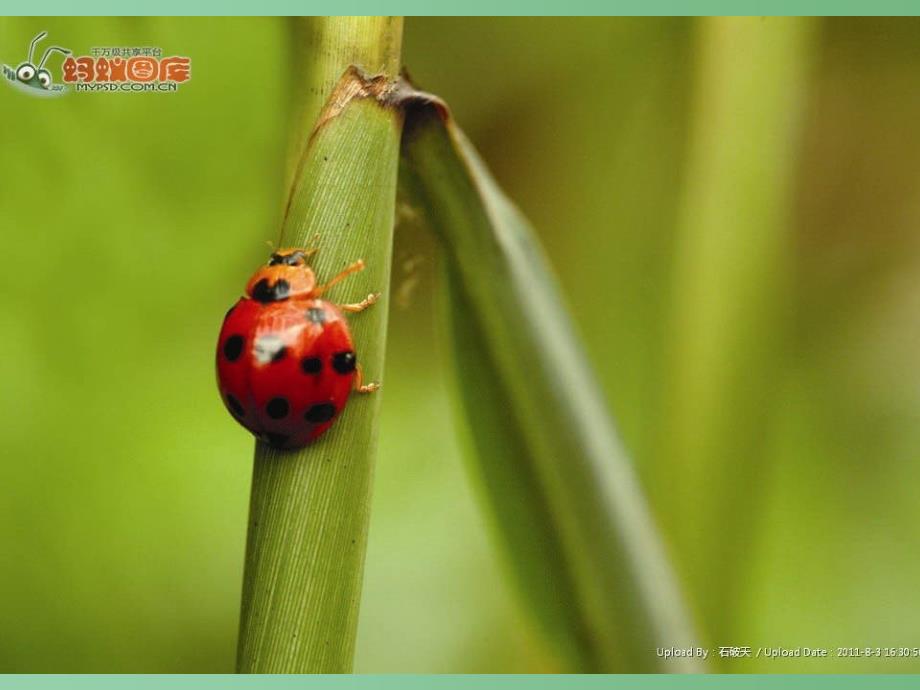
x=36, y=79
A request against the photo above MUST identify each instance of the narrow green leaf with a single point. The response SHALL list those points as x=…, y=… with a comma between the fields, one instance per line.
x=309, y=509
x=567, y=502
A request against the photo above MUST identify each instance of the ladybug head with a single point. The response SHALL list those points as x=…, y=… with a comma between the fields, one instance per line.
x=286, y=275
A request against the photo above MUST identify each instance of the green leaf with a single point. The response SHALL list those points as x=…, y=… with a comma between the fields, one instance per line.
x=309, y=509
x=566, y=500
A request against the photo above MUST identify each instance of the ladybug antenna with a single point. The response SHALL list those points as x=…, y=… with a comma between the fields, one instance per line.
x=58, y=49
x=32, y=44
x=308, y=253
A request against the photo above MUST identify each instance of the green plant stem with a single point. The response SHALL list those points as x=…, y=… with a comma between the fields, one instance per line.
x=329, y=45
x=730, y=298
x=309, y=509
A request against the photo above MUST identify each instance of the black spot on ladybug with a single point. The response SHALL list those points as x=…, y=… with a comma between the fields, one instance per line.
x=235, y=406
x=320, y=413
x=269, y=348
x=271, y=292
x=311, y=365
x=316, y=315
x=275, y=440
x=233, y=347
x=277, y=408
x=344, y=362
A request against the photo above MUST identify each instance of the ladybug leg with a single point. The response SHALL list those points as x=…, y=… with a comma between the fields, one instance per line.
x=366, y=388
x=352, y=268
x=362, y=305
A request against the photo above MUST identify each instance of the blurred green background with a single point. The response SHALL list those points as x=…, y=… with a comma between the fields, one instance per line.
x=130, y=223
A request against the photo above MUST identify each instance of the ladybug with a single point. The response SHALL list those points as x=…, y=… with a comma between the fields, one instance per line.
x=286, y=362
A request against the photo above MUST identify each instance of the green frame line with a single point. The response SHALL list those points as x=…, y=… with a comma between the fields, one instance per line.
x=455, y=682
x=482, y=7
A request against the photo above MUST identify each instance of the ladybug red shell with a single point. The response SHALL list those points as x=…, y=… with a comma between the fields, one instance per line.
x=286, y=362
